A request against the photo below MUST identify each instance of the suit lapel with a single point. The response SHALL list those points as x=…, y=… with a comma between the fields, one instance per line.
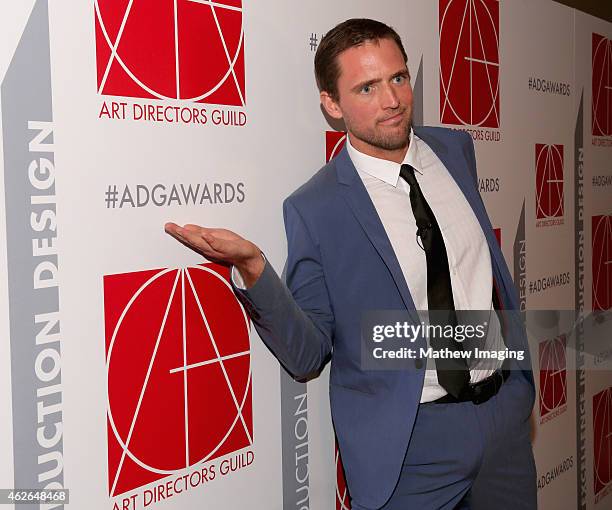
x=353, y=191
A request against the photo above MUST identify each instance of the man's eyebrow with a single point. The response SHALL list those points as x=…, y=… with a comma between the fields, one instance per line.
x=359, y=86
x=403, y=72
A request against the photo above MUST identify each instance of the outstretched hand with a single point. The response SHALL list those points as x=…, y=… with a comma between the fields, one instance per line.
x=222, y=246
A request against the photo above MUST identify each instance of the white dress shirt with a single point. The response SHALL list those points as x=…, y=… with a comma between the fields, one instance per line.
x=468, y=254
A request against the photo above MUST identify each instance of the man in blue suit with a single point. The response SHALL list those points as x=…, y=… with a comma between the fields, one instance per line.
x=409, y=439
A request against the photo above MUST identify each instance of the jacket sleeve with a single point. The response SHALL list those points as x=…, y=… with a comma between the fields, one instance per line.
x=294, y=319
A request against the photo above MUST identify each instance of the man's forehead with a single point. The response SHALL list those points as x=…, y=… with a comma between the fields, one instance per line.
x=371, y=57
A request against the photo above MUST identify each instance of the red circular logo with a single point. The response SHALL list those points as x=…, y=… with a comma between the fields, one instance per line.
x=602, y=86
x=179, y=372
x=549, y=181
x=602, y=439
x=469, y=62
x=171, y=49
x=602, y=262
x=553, y=375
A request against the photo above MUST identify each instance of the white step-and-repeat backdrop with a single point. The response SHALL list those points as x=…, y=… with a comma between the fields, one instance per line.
x=129, y=373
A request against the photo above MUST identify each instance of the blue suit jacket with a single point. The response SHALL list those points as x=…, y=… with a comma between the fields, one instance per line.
x=341, y=264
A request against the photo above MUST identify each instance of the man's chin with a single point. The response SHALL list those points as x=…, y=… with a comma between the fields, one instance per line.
x=392, y=143
x=389, y=141
x=399, y=132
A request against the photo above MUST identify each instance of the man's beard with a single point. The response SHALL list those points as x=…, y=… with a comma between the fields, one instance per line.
x=386, y=141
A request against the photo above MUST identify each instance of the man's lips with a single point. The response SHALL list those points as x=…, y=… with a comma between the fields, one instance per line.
x=394, y=119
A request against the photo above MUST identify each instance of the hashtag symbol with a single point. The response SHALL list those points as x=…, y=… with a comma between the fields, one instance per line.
x=530, y=287
x=111, y=196
x=594, y=180
x=314, y=41
x=530, y=86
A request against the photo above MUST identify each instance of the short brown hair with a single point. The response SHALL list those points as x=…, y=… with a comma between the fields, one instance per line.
x=349, y=33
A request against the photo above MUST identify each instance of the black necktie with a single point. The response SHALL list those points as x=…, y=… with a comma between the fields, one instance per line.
x=453, y=374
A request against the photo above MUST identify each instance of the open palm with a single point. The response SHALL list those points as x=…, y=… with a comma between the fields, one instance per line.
x=222, y=246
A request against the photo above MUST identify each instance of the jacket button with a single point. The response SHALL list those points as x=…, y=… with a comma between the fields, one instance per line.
x=418, y=363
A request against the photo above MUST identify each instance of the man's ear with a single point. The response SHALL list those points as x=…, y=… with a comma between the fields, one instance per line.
x=331, y=106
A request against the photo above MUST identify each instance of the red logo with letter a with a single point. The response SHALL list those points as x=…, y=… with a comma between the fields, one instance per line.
x=178, y=372
x=553, y=377
x=549, y=181
x=171, y=49
x=602, y=86
x=469, y=62
x=334, y=141
x=602, y=442
x=602, y=262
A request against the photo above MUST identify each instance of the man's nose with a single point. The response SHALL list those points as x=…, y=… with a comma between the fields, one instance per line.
x=389, y=97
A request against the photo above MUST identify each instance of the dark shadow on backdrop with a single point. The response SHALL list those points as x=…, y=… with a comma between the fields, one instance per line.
x=600, y=8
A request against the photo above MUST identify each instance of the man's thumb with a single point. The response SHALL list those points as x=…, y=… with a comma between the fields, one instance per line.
x=215, y=243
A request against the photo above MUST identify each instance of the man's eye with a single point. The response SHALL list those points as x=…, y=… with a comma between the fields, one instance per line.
x=399, y=79
x=366, y=89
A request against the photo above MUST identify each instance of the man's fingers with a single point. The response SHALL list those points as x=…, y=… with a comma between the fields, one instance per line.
x=194, y=228
x=170, y=227
x=195, y=239
x=185, y=232
x=217, y=243
x=219, y=233
x=192, y=239
x=174, y=230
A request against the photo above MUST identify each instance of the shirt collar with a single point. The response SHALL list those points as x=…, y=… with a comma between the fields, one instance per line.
x=382, y=169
